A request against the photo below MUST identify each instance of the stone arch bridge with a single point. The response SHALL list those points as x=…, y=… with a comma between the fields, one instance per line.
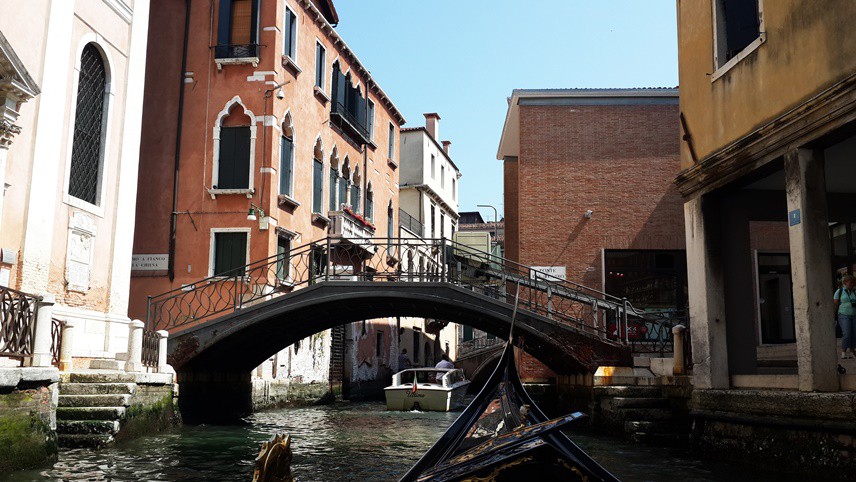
x=224, y=326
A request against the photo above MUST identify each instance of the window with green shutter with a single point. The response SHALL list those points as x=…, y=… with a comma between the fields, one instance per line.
x=230, y=253
x=233, y=170
x=317, y=186
x=286, y=166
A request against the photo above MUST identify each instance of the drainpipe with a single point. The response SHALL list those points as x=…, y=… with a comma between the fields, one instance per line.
x=172, y=219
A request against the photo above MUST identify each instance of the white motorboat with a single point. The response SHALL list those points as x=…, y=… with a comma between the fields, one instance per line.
x=427, y=389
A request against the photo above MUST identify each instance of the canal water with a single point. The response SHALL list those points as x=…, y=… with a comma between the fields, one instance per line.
x=344, y=442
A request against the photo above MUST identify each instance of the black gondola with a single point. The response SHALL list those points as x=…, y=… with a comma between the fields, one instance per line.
x=503, y=436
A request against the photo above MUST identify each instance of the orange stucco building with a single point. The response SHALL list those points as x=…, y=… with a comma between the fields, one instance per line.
x=265, y=109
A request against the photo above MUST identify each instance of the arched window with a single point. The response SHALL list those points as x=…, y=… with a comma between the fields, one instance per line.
x=355, y=190
x=369, y=202
x=90, y=121
x=286, y=157
x=344, y=180
x=334, y=179
x=234, y=147
x=318, y=177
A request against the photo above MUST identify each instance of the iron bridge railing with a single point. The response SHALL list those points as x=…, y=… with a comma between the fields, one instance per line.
x=18, y=312
x=413, y=260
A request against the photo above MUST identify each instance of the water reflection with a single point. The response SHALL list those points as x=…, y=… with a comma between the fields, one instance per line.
x=346, y=442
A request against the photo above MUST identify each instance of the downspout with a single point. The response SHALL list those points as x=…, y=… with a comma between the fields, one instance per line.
x=172, y=219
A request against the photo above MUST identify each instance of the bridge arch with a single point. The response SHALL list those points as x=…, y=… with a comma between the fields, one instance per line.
x=214, y=358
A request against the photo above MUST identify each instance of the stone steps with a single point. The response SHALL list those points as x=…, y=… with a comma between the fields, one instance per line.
x=90, y=413
x=92, y=406
x=92, y=427
x=113, y=400
x=75, y=388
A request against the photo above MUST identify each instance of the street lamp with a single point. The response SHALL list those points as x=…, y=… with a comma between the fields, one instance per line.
x=495, y=216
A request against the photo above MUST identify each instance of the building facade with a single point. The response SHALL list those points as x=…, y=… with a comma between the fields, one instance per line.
x=69, y=150
x=428, y=200
x=259, y=107
x=767, y=110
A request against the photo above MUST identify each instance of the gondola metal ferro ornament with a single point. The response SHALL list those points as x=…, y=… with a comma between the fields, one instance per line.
x=503, y=436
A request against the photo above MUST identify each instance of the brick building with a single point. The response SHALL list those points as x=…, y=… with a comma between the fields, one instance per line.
x=589, y=190
x=260, y=107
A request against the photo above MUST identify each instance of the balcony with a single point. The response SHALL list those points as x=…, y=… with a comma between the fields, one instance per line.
x=236, y=54
x=352, y=228
x=349, y=123
x=408, y=222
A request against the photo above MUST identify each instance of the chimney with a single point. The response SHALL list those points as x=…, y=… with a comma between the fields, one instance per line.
x=432, y=124
x=446, y=145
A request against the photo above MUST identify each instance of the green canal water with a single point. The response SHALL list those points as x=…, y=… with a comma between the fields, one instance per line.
x=344, y=442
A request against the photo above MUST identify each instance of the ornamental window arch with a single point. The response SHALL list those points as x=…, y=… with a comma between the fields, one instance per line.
x=234, y=148
x=286, y=156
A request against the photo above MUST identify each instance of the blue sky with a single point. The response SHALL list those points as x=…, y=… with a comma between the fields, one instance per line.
x=462, y=59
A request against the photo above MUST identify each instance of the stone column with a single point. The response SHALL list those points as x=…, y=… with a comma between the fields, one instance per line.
x=678, y=349
x=811, y=269
x=67, y=347
x=135, y=347
x=163, y=367
x=706, y=297
x=42, y=333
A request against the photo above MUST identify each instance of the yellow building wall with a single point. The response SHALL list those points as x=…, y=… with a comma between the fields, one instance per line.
x=810, y=45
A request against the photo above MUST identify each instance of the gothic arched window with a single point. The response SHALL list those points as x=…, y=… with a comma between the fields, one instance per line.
x=90, y=116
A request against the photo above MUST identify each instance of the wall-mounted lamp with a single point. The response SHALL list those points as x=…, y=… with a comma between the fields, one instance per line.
x=588, y=214
x=251, y=215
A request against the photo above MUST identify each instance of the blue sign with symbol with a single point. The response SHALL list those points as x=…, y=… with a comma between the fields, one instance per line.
x=794, y=217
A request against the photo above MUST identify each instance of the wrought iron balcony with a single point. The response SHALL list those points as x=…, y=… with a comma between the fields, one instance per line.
x=240, y=51
x=348, y=122
x=17, y=322
x=351, y=227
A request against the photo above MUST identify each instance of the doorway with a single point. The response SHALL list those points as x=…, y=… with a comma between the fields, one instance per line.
x=775, y=298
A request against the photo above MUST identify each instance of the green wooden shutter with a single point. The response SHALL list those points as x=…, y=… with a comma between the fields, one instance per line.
x=286, y=166
x=233, y=171
x=230, y=253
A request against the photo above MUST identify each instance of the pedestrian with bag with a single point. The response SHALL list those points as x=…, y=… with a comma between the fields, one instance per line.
x=845, y=308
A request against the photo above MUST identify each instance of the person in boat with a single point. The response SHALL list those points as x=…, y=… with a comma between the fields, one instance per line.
x=403, y=360
x=443, y=363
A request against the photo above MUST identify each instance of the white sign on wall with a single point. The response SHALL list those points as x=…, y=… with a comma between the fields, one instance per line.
x=149, y=262
x=549, y=272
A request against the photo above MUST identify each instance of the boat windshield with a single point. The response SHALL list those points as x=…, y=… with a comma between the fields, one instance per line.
x=423, y=376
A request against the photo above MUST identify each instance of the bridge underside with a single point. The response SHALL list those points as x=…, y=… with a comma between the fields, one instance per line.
x=214, y=359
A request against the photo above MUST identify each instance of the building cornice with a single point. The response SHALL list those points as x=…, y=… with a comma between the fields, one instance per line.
x=122, y=9
x=339, y=42
x=433, y=195
x=819, y=115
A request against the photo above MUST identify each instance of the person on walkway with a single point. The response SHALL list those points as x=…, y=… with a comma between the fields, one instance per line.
x=403, y=360
x=845, y=308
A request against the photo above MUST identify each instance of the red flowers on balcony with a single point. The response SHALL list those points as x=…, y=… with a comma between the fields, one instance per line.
x=365, y=222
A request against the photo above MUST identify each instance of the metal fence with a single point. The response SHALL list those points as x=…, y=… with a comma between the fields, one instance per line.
x=56, y=341
x=405, y=220
x=18, y=312
x=478, y=344
x=414, y=260
x=151, y=343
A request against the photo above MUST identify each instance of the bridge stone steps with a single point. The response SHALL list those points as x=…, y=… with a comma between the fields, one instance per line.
x=99, y=388
x=92, y=406
x=90, y=413
x=111, y=400
x=74, y=427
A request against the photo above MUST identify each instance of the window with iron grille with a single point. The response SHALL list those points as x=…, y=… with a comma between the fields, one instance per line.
x=87, y=148
x=237, y=29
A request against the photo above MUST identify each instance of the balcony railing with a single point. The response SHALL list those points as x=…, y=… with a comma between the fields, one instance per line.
x=349, y=122
x=348, y=227
x=17, y=321
x=410, y=223
x=240, y=51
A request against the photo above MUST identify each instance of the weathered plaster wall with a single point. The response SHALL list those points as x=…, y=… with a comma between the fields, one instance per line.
x=810, y=45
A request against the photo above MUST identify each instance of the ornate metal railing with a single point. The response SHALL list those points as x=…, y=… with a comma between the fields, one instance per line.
x=18, y=312
x=239, y=51
x=411, y=260
x=151, y=342
x=347, y=119
x=56, y=340
x=478, y=344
